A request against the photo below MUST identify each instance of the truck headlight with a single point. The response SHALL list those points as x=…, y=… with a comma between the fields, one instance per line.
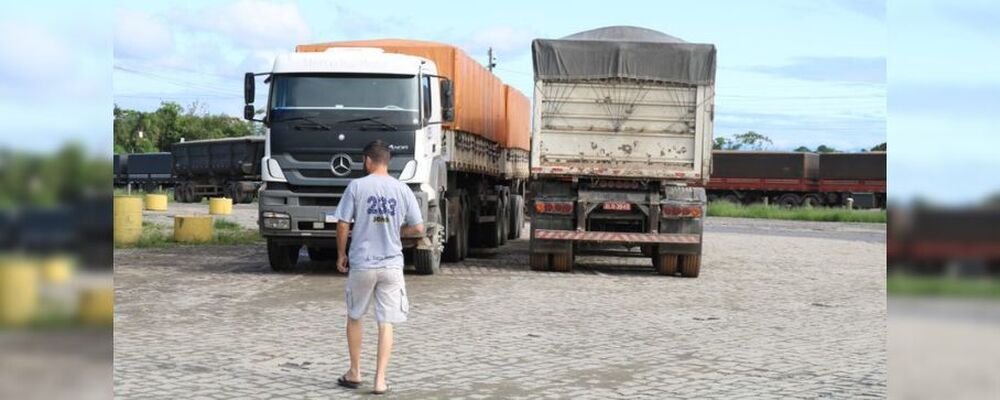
x=273, y=220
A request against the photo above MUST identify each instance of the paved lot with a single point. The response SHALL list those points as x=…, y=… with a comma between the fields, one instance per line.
x=780, y=310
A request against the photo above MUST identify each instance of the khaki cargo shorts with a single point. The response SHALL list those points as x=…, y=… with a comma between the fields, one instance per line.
x=386, y=286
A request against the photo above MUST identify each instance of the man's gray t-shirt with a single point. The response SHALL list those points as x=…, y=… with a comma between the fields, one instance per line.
x=379, y=206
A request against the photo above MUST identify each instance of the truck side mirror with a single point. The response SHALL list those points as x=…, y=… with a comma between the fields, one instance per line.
x=248, y=88
x=447, y=101
x=248, y=112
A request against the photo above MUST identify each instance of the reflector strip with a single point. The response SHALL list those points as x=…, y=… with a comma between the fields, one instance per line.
x=623, y=237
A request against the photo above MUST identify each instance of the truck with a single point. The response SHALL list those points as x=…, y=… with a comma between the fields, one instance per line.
x=457, y=134
x=228, y=167
x=146, y=171
x=792, y=179
x=621, y=147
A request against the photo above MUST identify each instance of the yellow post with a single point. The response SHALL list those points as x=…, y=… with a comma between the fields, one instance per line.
x=220, y=206
x=18, y=291
x=156, y=202
x=193, y=228
x=97, y=306
x=127, y=219
x=57, y=270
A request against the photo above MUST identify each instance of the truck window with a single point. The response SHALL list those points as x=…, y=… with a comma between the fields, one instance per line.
x=345, y=91
x=425, y=86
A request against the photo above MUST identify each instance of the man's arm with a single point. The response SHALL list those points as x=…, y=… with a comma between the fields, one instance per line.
x=411, y=230
x=343, y=230
x=413, y=223
x=345, y=214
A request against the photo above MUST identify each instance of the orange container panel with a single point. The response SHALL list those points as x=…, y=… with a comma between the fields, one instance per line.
x=480, y=107
x=517, y=132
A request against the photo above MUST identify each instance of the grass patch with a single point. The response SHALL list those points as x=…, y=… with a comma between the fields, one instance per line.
x=904, y=285
x=226, y=233
x=727, y=209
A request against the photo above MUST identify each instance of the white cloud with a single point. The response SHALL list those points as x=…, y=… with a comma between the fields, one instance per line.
x=140, y=36
x=252, y=24
x=34, y=55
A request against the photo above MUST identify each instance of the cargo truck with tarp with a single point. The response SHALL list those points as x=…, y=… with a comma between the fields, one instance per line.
x=228, y=167
x=622, y=137
x=458, y=137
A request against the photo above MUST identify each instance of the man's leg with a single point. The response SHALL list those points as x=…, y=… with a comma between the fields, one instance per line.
x=354, y=333
x=384, y=351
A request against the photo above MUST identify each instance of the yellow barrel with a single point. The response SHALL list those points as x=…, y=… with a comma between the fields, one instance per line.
x=193, y=228
x=127, y=219
x=220, y=206
x=97, y=306
x=18, y=291
x=156, y=202
x=57, y=270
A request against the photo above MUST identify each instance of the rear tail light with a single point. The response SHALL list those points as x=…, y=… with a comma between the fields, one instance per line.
x=554, y=207
x=680, y=211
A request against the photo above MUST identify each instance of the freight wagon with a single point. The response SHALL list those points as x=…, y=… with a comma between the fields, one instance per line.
x=227, y=167
x=146, y=171
x=458, y=136
x=796, y=178
x=944, y=241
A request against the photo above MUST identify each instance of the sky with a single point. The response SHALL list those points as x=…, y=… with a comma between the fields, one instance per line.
x=800, y=72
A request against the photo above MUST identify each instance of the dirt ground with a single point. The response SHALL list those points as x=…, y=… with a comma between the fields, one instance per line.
x=781, y=309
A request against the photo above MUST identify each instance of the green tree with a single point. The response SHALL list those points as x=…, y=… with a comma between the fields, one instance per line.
x=825, y=149
x=879, y=147
x=803, y=149
x=141, y=132
x=743, y=141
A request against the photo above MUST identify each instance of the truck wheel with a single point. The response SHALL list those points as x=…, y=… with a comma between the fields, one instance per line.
x=455, y=248
x=690, y=265
x=812, y=200
x=466, y=228
x=665, y=264
x=179, y=193
x=789, y=200
x=562, y=262
x=516, y=216
x=282, y=257
x=732, y=198
x=538, y=261
x=503, y=220
x=428, y=261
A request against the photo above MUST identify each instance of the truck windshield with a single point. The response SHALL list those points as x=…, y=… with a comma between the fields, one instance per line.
x=345, y=91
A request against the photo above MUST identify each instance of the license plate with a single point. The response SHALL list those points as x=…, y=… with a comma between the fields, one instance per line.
x=329, y=217
x=617, y=205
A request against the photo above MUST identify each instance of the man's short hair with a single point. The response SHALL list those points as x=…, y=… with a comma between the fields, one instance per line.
x=378, y=152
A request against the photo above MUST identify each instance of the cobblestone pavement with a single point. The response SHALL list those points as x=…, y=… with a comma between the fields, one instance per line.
x=773, y=315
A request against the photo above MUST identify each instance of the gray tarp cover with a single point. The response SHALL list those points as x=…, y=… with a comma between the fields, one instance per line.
x=623, y=52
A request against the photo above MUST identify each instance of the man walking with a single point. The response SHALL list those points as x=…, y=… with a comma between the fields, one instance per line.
x=381, y=208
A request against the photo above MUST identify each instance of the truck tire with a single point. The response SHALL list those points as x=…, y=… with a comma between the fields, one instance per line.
x=538, y=261
x=466, y=228
x=562, y=262
x=789, y=200
x=812, y=200
x=516, y=216
x=665, y=264
x=454, y=247
x=282, y=257
x=178, y=192
x=428, y=261
x=690, y=265
x=503, y=220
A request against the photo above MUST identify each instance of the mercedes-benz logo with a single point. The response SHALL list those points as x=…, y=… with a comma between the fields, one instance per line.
x=341, y=164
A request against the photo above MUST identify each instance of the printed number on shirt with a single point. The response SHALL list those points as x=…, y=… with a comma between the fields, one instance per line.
x=381, y=208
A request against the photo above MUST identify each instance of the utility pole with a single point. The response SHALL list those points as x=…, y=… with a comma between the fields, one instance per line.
x=492, y=62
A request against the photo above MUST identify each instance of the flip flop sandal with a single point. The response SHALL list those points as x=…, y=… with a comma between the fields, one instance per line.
x=343, y=381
